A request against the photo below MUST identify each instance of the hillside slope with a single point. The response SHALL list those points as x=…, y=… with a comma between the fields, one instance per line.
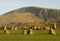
x=26, y=17
x=30, y=14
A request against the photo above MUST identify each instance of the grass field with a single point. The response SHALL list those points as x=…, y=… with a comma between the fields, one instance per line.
x=37, y=36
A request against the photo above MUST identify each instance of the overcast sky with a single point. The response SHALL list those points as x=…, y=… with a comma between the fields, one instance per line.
x=9, y=5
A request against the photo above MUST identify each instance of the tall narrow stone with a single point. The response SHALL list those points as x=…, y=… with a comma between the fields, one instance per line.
x=55, y=25
x=12, y=28
x=5, y=30
x=30, y=31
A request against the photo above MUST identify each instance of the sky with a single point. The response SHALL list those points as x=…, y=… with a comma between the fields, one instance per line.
x=9, y=5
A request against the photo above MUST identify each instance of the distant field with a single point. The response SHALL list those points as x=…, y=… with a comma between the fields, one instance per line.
x=37, y=36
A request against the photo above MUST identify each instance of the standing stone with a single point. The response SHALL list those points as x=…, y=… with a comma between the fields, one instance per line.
x=15, y=28
x=52, y=31
x=55, y=25
x=39, y=28
x=47, y=28
x=30, y=31
x=12, y=28
x=5, y=30
x=35, y=27
x=25, y=32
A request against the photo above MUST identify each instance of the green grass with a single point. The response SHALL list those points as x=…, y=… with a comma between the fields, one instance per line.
x=36, y=36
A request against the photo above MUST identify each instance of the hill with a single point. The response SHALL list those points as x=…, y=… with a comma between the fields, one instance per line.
x=30, y=14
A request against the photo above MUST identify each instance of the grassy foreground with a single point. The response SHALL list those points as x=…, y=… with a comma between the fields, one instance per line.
x=37, y=36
